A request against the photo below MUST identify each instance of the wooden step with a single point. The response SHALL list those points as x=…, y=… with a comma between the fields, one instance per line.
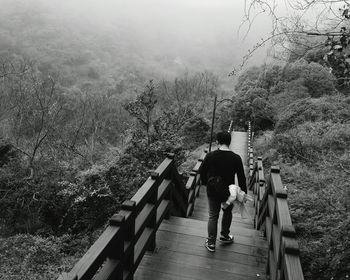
x=185, y=271
x=199, y=241
x=181, y=254
x=240, y=234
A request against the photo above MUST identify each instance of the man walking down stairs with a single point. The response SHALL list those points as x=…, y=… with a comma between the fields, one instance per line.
x=180, y=253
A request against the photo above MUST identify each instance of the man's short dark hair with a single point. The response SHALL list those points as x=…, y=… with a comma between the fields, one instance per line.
x=223, y=137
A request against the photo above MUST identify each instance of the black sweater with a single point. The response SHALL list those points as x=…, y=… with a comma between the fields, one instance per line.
x=225, y=164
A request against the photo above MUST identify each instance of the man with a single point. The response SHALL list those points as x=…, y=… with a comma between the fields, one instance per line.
x=218, y=172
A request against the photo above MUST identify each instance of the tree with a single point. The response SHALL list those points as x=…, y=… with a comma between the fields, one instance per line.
x=33, y=111
x=142, y=108
x=314, y=77
x=9, y=68
x=188, y=92
x=299, y=33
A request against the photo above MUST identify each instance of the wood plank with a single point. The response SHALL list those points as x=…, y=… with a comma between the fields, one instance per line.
x=141, y=245
x=282, y=212
x=203, y=226
x=143, y=273
x=236, y=222
x=204, y=210
x=194, y=240
x=246, y=240
x=209, y=261
x=163, y=189
x=271, y=206
x=199, y=241
x=187, y=270
x=145, y=192
x=276, y=238
x=162, y=210
x=95, y=256
x=292, y=268
x=111, y=270
x=140, y=221
x=272, y=266
x=198, y=250
x=268, y=226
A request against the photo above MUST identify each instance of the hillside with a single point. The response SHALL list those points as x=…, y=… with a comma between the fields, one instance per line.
x=119, y=49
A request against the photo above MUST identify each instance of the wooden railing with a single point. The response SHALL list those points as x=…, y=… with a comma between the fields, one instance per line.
x=273, y=218
x=132, y=231
x=193, y=185
x=257, y=185
x=250, y=150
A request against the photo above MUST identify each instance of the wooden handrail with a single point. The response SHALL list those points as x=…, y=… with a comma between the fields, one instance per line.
x=193, y=185
x=132, y=231
x=273, y=218
x=257, y=186
x=283, y=259
x=250, y=150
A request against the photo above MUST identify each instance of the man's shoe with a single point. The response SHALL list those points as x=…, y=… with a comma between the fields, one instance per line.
x=210, y=246
x=226, y=239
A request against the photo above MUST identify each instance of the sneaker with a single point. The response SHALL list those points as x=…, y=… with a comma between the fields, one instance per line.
x=209, y=246
x=226, y=239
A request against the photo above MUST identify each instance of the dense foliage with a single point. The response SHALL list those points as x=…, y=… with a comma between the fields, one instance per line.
x=80, y=131
x=310, y=140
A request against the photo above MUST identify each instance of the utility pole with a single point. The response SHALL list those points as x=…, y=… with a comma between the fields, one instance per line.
x=213, y=117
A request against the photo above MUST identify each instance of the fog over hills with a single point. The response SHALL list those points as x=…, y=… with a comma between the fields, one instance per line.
x=133, y=40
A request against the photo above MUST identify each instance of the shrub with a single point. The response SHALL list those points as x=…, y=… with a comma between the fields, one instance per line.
x=292, y=92
x=337, y=137
x=270, y=76
x=263, y=114
x=90, y=205
x=248, y=79
x=323, y=109
x=319, y=202
x=318, y=196
x=22, y=208
x=254, y=93
x=30, y=257
x=310, y=140
x=195, y=132
x=259, y=111
x=315, y=77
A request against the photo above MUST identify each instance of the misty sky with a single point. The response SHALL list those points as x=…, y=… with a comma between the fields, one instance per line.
x=193, y=35
x=204, y=26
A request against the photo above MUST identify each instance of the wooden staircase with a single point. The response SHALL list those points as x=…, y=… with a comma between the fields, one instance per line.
x=160, y=232
x=180, y=252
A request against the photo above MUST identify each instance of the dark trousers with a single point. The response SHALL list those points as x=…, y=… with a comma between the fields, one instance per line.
x=214, y=211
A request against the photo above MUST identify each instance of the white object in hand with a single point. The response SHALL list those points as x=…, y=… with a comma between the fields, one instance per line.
x=236, y=194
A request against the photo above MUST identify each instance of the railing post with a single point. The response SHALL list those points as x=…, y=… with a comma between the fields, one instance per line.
x=153, y=220
x=171, y=189
x=130, y=206
x=249, y=140
x=117, y=252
